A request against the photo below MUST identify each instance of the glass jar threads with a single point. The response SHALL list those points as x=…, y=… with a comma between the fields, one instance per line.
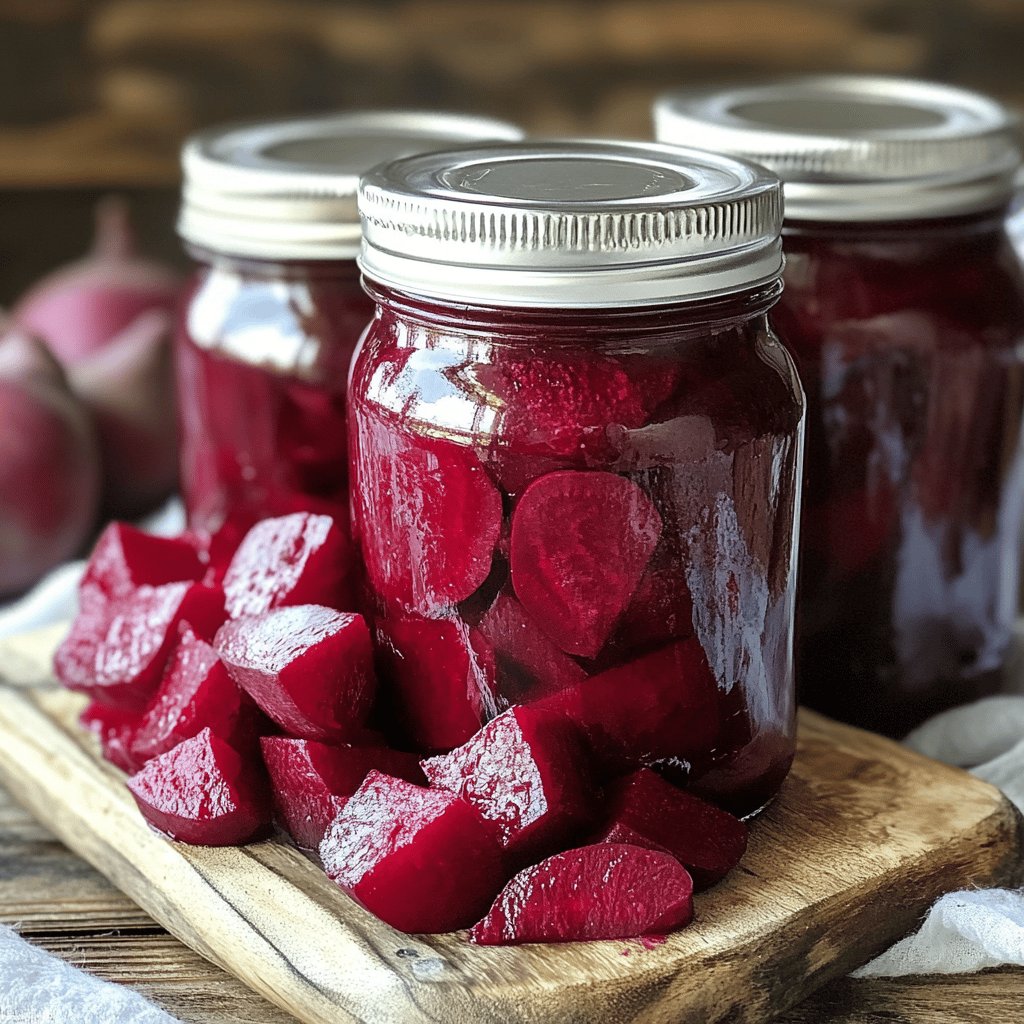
x=904, y=308
x=576, y=453
x=275, y=308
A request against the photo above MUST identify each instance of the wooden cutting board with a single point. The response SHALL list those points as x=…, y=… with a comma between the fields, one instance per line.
x=863, y=837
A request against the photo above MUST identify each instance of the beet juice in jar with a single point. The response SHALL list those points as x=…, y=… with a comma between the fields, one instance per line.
x=576, y=451
x=904, y=308
x=275, y=309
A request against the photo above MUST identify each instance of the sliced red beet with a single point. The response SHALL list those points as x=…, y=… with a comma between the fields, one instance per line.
x=117, y=651
x=430, y=518
x=706, y=840
x=580, y=545
x=560, y=406
x=125, y=558
x=312, y=781
x=420, y=859
x=115, y=729
x=203, y=792
x=604, y=891
x=308, y=668
x=443, y=683
x=662, y=705
x=526, y=654
x=526, y=771
x=196, y=692
x=661, y=609
x=295, y=559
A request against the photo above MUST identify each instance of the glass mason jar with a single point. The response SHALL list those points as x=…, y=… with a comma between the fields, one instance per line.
x=904, y=308
x=276, y=307
x=576, y=448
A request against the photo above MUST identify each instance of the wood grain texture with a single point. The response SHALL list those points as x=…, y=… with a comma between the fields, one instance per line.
x=60, y=903
x=864, y=836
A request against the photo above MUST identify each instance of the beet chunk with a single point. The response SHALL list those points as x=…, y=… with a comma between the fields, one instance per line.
x=605, y=891
x=662, y=705
x=116, y=651
x=202, y=792
x=524, y=650
x=312, y=781
x=196, y=692
x=125, y=558
x=709, y=842
x=308, y=668
x=430, y=518
x=526, y=771
x=115, y=729
x=443, y=683
x=295, y=559
x=420, y=859
x=580, y=544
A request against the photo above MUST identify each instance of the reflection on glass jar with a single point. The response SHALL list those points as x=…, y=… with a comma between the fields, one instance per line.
x=586, y=508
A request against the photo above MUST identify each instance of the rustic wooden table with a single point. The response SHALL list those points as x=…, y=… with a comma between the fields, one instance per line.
x=58, y=902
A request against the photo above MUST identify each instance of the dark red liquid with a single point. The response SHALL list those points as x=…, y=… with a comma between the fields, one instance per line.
x=262, y=358
x=907, y=338
x=545, y=498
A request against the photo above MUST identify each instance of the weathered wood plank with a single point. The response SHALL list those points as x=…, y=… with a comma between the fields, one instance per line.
x=864, y=836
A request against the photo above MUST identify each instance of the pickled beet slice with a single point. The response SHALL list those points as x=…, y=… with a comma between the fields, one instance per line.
x=431, y=519
x=312, y=781
x=196, y=692
x=420, y=859
x=308, y=668
x=580, y=544
x=706, y=840
x=117, y=651
x=295, y=559
x=560, y=407
x=125, y=558
x=443, y=682
x=115, y=729
x=203, y=792
x=525, y=650
x=662, y=705
x=526, y=771
x=661, y=609
x=603, y=891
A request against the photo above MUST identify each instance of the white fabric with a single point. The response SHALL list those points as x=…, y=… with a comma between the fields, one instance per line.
x=36, y=988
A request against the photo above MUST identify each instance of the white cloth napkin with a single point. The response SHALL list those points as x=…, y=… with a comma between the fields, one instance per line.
x=37, y=988
x=963, y=932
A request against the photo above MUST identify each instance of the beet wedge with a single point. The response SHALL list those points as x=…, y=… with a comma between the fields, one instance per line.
x=126, y=558
x=116, y=651
x=196, y=692
x=604, y=891
x=580, y=545
x=308, y=668
x=663, y=705
x=421, y=554
x=420, y=859
x=707, y=841
x=115, y=729
x=312, y=781
x=526, y=771
x=295, y=559
x=202, y=792
x=532, y=665
x=442, y=682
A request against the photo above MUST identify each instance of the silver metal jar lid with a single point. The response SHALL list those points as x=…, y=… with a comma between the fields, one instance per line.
x=858, y=148
x=580, y=223
x=287, y=189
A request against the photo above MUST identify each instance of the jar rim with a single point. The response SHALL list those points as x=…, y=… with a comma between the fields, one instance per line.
x=582, y=223
x=858, y=147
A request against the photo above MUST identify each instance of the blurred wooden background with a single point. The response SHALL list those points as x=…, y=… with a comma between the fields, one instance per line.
x=97, y=94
